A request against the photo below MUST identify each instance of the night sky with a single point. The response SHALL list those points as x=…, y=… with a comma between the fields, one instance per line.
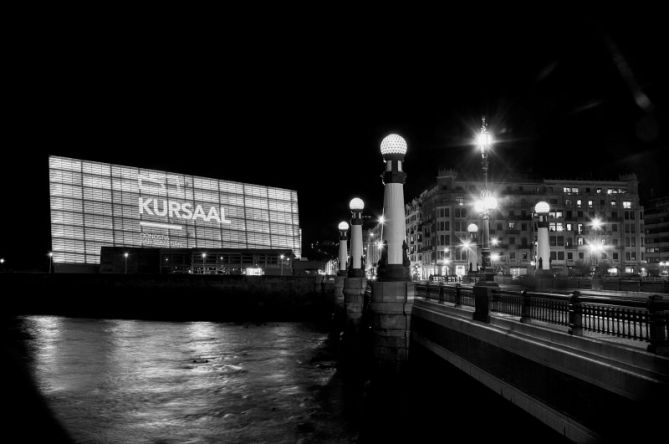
x=303, y=104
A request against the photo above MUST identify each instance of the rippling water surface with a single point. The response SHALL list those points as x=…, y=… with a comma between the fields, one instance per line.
x=110, y=381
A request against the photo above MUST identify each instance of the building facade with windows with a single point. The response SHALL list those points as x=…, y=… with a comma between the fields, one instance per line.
x=95, y=205
x=592, y=225
x=657, y=236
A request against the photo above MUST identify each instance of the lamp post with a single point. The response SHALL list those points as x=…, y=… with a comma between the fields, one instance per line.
x=204, y=256
x=543, y=248
x=487, y=202
x=50, y=254
x=356, y=206
x=281, y=263
x=394, y=263
x=125, y=263
x=343, y=250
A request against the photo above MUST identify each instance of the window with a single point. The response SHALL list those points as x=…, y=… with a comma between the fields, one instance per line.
x=614, y=215
x=559, y=226
x=553, y=241
x=580, y=256
x=627, y=204
x=599, y=191
x=512, y=240
x=523, y=227
x=570, y=256
x=589, y=204
x=579, y=228
x=580, y=214
x=614, y=228
x=560, y=255
x=569, y=214
x=560, y=241
x=579, y=240
x=567, y=202
x=512, y=225
x=613, y=204
x=578, y=203
x=569, y=227
x=553, y=255
x=615, y=256
x=512, y=255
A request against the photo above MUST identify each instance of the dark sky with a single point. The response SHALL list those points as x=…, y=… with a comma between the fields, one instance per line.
x=303, y=103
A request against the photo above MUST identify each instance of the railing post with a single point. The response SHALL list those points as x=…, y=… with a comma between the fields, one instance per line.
x=657, y=319
x=575, y=315
x=441, y=293
x=482, y=303
x=524, y=307
x=458, y=295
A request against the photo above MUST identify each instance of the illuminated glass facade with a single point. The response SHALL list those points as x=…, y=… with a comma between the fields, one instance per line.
x=96, y=204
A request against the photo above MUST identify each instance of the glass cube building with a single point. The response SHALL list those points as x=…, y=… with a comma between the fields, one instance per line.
x=97, y=204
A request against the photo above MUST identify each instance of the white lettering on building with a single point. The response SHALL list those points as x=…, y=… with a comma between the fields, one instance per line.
x=161, y=207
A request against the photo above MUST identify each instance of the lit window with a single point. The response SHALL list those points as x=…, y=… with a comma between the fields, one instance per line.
x=578, y=203
x=599, y=191
x=614, y=203
x=569, y=227
x=627, y=204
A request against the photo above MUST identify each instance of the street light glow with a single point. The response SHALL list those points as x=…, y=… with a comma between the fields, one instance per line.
x=484, y=140
x=466, y=244
x=494, y=257
x=393, y=144
x=125, y=255
x=379, y=245
x=343, y=226
x=382, y=220
x=2, y=260
x=204, y=255
x=494, y=241
x=50, y=254
x=489, y=203
x=596, y=223
x=356, y=204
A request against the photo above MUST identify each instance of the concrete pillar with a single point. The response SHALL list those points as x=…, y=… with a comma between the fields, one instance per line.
x=356, y=205
x=393, y=293
x=343, y=252
x=543, y=247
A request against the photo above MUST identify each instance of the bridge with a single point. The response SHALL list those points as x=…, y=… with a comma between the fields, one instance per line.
x=591, y=366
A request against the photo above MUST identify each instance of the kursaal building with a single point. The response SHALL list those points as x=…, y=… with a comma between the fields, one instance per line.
x=95, y=205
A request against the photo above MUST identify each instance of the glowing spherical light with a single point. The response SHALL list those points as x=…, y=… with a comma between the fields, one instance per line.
x=479, y=207
x=466, y=244
x=472, y=228
x=542, y=207
x=382, y=220
x=343, y=226
x=356, y=204
x=494, y=241
x=490, y=203
x=596, y=223
x=393, y=144
x=494, y=257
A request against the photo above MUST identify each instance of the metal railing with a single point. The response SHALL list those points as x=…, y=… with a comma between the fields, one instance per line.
x=630, y=318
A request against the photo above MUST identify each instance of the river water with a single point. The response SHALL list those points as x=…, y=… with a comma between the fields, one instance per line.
x=131, y=381
x=114, y=381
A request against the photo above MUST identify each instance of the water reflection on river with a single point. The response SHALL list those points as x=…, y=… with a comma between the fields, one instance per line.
x=143, y=381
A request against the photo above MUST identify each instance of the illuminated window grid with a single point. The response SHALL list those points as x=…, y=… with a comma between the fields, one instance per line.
x=95, y=204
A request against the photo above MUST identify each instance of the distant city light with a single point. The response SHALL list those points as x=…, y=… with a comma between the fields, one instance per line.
x=393, y=144
x=356, y=204
x=2, y=260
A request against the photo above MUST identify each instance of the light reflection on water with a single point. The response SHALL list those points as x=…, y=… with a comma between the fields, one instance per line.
x=143, y=381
